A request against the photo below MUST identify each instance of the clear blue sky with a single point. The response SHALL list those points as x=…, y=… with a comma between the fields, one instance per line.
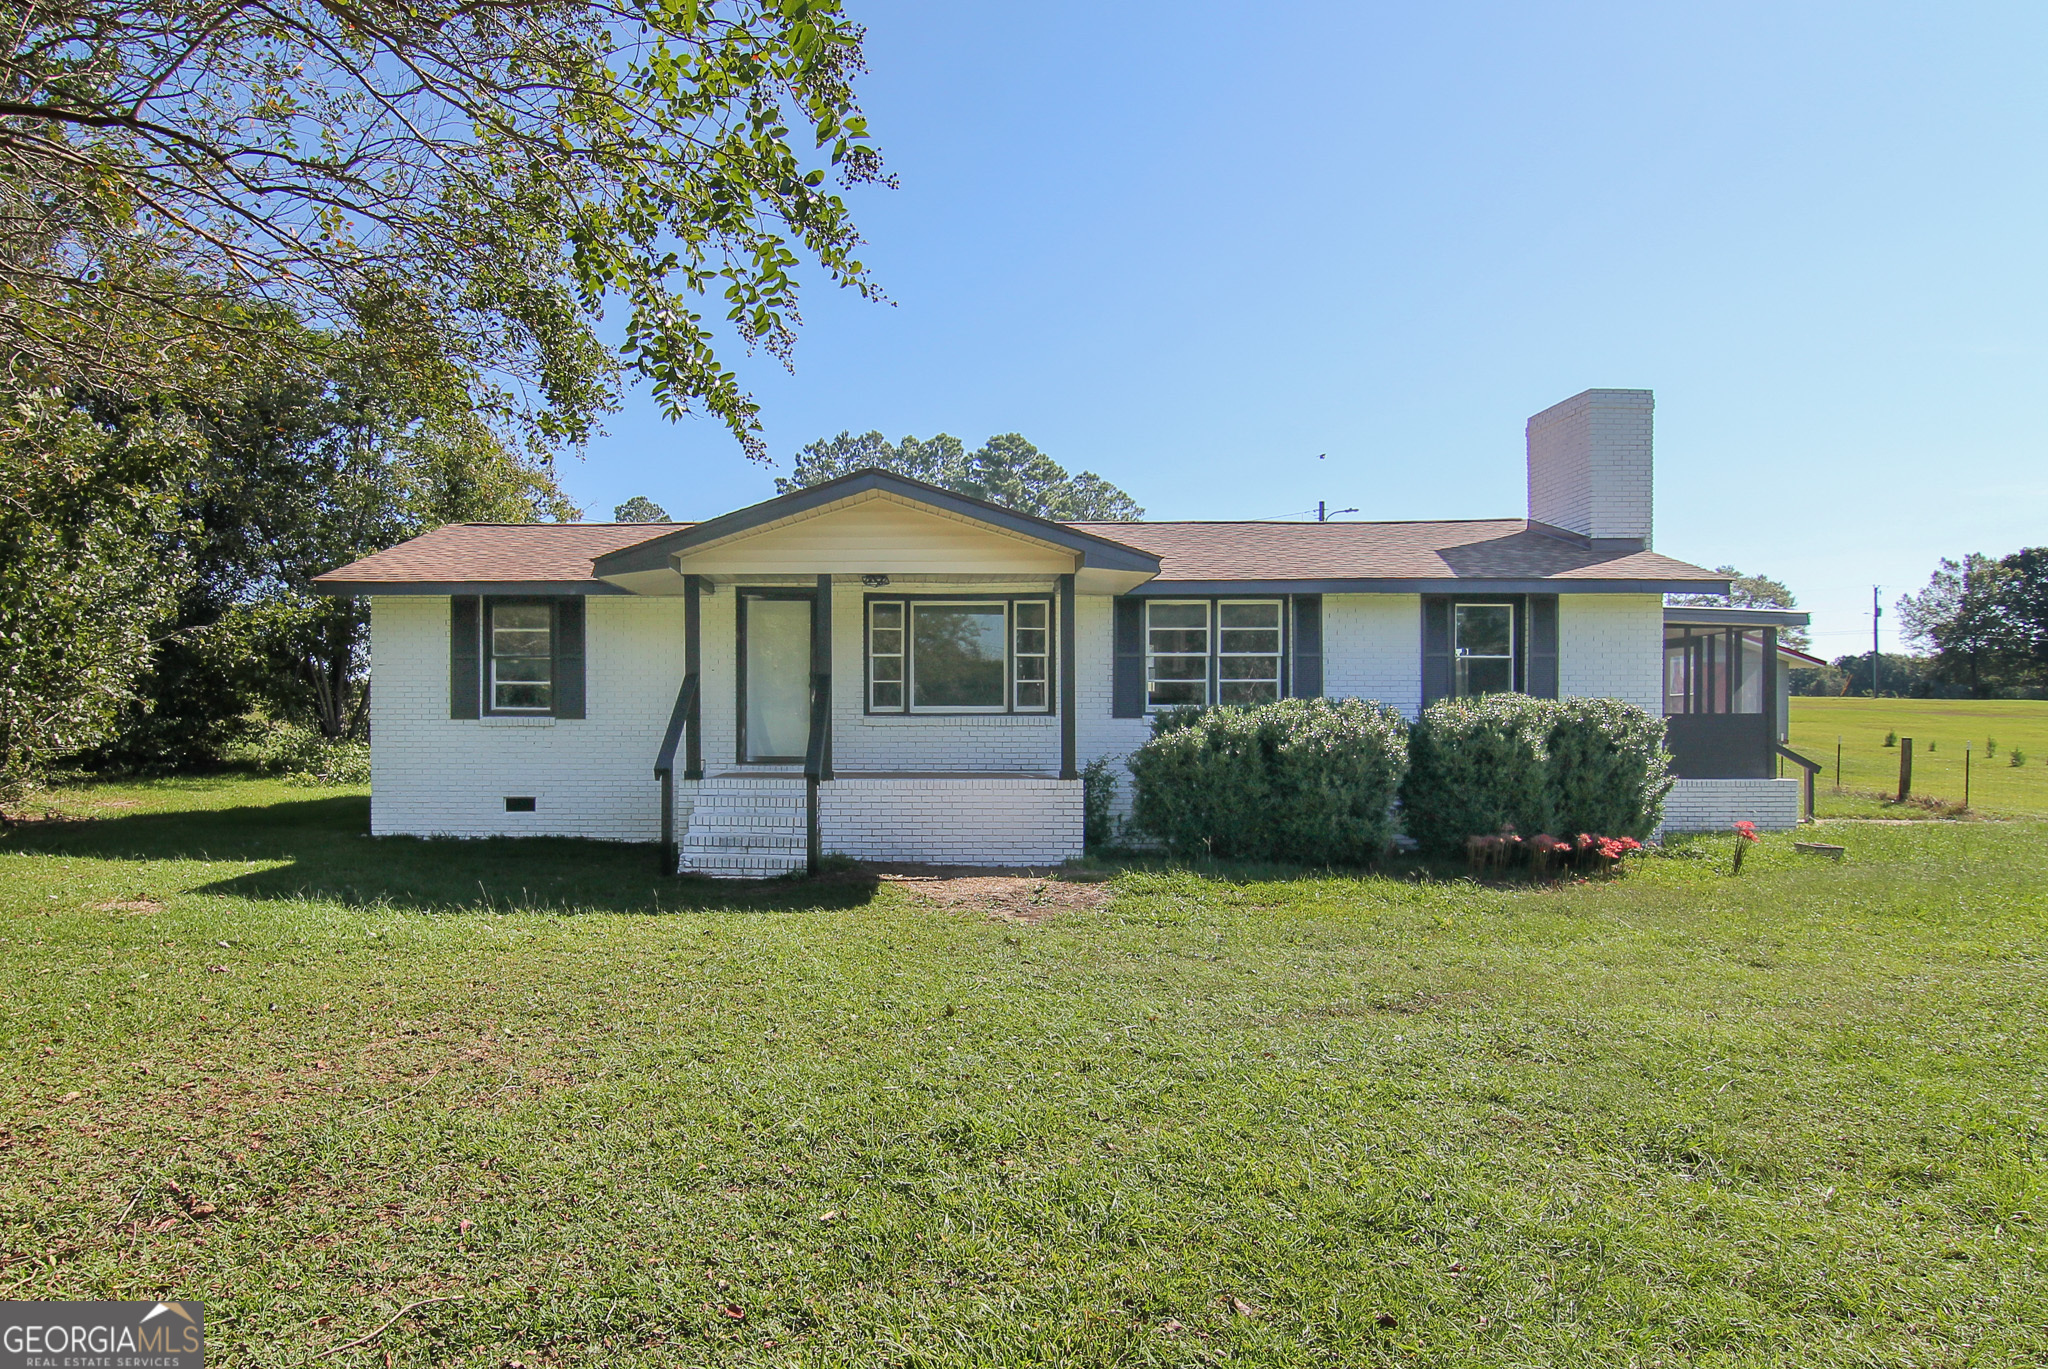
x=1191, y=246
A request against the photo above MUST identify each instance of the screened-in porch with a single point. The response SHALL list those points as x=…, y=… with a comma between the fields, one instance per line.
x=1725, y=701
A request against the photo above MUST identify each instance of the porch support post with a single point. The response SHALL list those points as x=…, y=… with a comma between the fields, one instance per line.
x=693, y=659
x=1067, y=673
x=818, y=754
x=1773, y=681
x=821, y=662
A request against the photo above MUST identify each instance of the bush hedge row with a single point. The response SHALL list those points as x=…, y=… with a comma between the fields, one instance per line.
x=1300, y=780
x=1508, y=761
x=1314, y=780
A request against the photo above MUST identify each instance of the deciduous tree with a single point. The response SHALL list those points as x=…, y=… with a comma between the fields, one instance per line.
x=298, y=469
x=1956, y=617
x=1005, y=470
x=1751, y=591
x=476, y=179
x=89, y=570
x=640, y=509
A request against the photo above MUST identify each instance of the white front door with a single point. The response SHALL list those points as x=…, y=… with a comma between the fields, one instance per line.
x=775, y=677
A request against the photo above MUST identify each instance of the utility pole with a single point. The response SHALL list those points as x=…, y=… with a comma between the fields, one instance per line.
x=1324, y=513
x=1876, y=612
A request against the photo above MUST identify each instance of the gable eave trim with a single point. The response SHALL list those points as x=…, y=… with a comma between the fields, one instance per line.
x=659, y=553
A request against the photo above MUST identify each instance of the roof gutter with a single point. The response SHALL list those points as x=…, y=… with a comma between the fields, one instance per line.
x=1167, y=589
x=537, y=588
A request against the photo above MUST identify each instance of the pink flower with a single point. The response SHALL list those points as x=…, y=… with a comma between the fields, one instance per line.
x=1746, y=830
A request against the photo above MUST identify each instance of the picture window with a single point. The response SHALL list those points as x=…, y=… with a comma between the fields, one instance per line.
x=959, y=655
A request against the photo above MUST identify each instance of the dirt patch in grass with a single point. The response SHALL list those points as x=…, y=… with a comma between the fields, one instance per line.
x=1008, y=897
x=133, y=905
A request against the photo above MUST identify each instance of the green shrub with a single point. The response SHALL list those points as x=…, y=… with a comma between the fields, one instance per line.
x=1565, y=766
x=300, y=755
x=1308, y=781
x=1098, y=804
x=1609, y=771
x=1475, y=767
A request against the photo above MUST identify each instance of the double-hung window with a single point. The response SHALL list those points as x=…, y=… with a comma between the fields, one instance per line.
x=1202, y=651
x=1176, y=653
x=939, y=655
x=1483, y=643
x=522, y=657
x=1248, y=651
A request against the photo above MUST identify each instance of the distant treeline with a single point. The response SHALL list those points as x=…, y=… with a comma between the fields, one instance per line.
x=1901, y=677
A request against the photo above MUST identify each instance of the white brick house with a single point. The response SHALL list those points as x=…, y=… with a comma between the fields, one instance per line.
x=876, y=667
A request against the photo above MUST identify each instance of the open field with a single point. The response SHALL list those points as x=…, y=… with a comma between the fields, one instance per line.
x=253, y=1057
x=1940, y=729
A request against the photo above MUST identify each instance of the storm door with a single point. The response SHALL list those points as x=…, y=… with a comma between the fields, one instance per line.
x=774, y=675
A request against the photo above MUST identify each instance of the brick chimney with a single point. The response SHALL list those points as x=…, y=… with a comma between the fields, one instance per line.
x=1590, y=468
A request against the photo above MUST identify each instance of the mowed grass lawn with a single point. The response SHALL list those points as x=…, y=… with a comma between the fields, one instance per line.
x=1940, y=729
x=256, y=1058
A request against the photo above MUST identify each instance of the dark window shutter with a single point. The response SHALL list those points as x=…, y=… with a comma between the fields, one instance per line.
x=1307, y=682
x=1541, y=672
x=1127, y=699
x=1436, y=648
x=465, y=632
x=568, y=658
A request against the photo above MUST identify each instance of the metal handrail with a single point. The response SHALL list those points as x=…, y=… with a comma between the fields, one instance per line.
x=1812, y=768
x=678, y=719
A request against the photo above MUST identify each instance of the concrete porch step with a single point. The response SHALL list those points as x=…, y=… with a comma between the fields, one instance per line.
x=746, y=826
x=750, y=803
x=745, y=865
x=748, y=816
x=743, y=841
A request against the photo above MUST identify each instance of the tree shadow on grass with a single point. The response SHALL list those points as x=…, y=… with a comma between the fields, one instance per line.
x=329, y=857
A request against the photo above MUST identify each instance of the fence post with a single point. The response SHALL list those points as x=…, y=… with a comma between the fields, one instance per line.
x=1905, y=768
x=1966, y=775
x=1838, y=765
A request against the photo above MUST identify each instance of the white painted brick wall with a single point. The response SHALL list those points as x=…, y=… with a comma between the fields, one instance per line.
x=1717, y=805
x=952, y=821
x=1590, y=464
x=432, y=775
x=1611, y=646
x=593, y=777
x=1372, y=649
x=1096, y=732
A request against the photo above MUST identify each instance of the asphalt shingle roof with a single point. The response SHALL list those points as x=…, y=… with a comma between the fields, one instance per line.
x=1483, y=549
x=494, y=552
